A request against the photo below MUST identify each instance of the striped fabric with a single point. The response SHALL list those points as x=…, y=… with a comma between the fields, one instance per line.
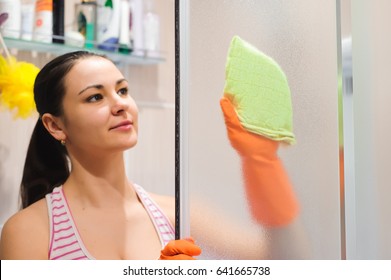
x=65, y=241
x=162, y=224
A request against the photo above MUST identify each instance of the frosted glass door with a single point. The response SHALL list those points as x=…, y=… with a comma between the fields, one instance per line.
x=301, y=36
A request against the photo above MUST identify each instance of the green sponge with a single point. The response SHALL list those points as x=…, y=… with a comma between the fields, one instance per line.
x=259, y=92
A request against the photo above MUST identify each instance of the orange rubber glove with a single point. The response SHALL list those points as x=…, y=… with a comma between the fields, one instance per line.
x=182, y=249
x=268, y=190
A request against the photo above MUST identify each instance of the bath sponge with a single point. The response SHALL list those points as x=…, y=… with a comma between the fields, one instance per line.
x=16, y=86
x=259, y=91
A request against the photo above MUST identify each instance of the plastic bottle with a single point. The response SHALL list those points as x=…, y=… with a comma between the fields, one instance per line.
x=43, y=30
x=137, y=31
x=125, y=26
x=86, y=14
x=151, y=30
x=27, y=21
x=108, y=24
x=11, y=27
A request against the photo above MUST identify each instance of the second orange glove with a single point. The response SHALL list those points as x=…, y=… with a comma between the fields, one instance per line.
x=182, y=249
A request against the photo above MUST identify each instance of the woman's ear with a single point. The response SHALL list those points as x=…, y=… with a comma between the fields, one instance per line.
x=54, y=126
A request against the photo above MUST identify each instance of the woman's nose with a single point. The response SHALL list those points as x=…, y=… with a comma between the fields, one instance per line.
x=119, y=104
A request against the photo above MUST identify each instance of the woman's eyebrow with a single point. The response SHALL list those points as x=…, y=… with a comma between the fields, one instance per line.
x=91, y=86
x=100, y=86
x=120, y=81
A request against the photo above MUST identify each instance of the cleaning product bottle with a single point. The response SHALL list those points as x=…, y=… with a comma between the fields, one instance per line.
x=125, y=25
x=11, y=27
x=151, y=30
x=137, y=32
x=43, y=30
x=27, y=23
x=58, y=21
x=86, y=14
x=108, y=22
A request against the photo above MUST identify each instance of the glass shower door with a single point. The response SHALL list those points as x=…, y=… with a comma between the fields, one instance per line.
x=301, y=36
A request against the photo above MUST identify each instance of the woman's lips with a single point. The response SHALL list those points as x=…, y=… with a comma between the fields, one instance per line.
x=124, y=125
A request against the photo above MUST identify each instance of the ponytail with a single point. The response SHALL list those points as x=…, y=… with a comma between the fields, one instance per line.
x=46, y=166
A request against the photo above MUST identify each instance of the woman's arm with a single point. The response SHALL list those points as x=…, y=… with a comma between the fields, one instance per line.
x=223, y=237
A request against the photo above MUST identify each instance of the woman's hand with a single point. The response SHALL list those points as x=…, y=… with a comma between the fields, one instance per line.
x=269, y=192
x=182, y=249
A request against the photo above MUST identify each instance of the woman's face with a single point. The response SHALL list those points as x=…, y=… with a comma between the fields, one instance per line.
x=99, y=112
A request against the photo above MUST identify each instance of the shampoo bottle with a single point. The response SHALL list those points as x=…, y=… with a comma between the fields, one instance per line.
x=108, y=22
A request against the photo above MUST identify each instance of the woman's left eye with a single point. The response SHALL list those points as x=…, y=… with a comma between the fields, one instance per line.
x=123, y=91
x=94, y=98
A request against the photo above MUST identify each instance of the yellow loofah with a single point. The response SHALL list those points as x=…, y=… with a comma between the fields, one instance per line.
x=16, y=86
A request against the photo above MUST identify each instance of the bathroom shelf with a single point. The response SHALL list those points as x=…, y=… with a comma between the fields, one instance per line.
x=58, y=49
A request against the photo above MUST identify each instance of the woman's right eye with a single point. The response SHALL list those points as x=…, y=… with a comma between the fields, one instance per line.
x=94, y=98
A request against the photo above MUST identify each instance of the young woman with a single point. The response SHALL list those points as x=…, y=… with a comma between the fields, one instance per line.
x=78, y=202
x=86, y=115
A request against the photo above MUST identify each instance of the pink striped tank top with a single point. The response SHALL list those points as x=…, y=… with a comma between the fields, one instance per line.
x=65, y=241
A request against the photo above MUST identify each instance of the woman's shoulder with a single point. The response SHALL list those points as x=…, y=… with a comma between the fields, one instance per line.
x=25, y=235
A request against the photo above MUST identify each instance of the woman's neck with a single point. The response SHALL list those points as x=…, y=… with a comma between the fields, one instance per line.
x=99, y=181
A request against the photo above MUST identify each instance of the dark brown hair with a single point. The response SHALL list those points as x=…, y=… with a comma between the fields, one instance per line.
x=46, y=164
